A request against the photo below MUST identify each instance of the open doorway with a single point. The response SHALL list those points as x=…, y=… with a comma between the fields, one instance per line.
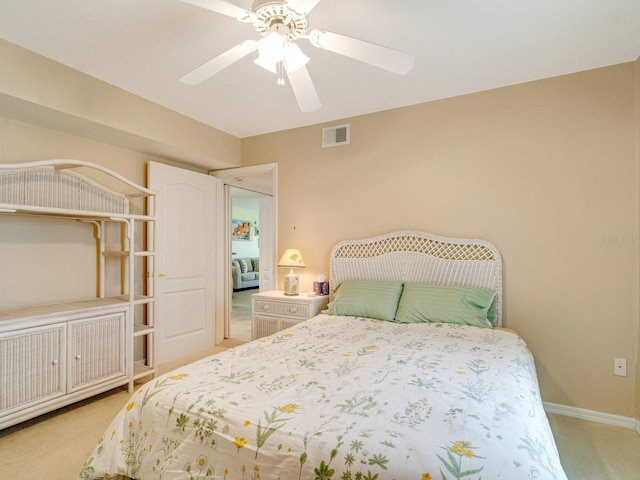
x=245, y=259
x=260, y=181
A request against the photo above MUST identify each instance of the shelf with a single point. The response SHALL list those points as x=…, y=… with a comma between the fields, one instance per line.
x=142, y=300
x=115, y=253
x=121, y=253
x=42, y=311
x=140, y=371
x=16, y=209
x=139, y=330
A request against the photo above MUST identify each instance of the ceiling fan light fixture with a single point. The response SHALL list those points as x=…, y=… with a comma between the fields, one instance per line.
x=267, y=65
x=294, y=59
x=272, y=46
x=271, y=50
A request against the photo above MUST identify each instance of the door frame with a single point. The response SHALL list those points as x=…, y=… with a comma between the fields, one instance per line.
x=239, y=177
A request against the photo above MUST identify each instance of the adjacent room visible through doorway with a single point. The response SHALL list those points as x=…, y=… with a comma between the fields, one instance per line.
x=245, y=259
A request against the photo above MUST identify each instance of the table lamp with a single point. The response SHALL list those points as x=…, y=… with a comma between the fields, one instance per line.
x=291, y=259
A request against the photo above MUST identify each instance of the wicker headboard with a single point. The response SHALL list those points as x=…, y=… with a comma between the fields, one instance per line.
x=419, y=257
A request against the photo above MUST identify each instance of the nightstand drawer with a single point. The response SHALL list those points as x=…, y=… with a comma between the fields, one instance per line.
x=288, y=309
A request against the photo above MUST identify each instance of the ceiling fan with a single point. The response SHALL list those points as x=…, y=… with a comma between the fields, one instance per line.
x=281, y=23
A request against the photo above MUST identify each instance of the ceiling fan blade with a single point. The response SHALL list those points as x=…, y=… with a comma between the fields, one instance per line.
x=382, y=57
x=302, y=7
x=225, y=8
x=222, y=61
x=304, y=90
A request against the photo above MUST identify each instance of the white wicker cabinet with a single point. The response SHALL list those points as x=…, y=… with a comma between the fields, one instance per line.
x=274, y=311
x=54, y=355
x=51, y=360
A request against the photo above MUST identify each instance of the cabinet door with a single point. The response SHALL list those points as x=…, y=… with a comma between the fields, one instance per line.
x=31, y=366
x=96, y=350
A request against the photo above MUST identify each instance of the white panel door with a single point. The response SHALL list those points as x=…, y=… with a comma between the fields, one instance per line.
x=185, y=261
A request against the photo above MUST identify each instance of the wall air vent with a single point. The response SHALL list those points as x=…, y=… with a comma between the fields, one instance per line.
x=336, y=136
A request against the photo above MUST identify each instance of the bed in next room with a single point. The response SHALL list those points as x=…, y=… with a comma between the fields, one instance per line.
x=407, y=376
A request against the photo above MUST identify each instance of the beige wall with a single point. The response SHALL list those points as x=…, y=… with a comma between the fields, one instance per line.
x=48, y=110
x=544, y=170
x=46, y=93
x=50, y=260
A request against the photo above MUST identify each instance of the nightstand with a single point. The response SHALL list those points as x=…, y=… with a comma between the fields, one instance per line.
x=274, y=311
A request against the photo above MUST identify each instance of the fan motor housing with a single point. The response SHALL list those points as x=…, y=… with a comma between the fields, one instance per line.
x=276, y=17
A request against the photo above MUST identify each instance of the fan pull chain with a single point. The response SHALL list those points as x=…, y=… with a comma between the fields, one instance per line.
x=280, y=80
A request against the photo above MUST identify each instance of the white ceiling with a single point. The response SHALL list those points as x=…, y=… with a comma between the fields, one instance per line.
x=461, y=46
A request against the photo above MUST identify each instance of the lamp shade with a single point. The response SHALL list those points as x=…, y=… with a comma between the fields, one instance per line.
x=291, y=258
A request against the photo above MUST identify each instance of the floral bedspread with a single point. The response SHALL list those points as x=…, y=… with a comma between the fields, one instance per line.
x=341, y=398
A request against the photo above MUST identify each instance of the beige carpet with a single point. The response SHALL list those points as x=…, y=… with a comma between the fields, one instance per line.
x=594, y=451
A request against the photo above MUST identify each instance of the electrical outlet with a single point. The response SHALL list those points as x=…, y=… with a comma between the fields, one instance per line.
x=620, y=367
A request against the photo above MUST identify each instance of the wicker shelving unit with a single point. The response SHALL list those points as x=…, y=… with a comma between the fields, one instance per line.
x=56, y=354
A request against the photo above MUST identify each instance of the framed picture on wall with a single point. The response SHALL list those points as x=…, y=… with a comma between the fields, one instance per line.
x=256, y=230
x=240, y=230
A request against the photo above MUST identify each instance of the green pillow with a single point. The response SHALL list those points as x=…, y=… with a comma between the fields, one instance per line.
x=366, y=298
x=422, y=303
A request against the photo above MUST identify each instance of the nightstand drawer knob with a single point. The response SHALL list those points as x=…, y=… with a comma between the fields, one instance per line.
x=293, y=309
x=265, y=307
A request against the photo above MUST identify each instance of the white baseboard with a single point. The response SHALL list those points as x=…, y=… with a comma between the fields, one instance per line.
x=592, y=415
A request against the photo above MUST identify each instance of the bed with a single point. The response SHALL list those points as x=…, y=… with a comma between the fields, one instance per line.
x=407, y=375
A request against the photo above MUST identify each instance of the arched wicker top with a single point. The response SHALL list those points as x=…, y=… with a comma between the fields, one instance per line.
x=52, y=186
x=412, y=256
